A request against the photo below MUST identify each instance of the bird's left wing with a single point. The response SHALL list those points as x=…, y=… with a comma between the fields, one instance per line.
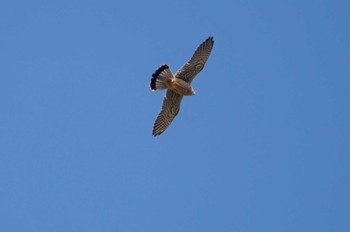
x=189, y=71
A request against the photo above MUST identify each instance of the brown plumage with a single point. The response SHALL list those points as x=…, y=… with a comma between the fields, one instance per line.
x=177, y=85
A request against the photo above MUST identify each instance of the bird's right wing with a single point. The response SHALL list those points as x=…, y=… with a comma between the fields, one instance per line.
x=170, y=108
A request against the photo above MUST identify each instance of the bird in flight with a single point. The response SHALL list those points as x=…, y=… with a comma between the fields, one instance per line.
x=177, y=85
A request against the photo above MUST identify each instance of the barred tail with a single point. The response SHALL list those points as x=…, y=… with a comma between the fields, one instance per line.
x=160, y=76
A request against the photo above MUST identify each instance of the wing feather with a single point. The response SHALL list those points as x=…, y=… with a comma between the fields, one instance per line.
x=170, y=108
x=189, y=71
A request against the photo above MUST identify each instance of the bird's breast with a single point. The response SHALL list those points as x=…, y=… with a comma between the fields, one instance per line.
x=181, y=87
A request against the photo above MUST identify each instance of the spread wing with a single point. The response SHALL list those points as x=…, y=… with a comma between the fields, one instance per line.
x=197, y=62
x=170, y=108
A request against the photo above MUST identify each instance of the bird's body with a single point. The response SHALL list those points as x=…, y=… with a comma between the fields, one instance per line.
x=178, y=85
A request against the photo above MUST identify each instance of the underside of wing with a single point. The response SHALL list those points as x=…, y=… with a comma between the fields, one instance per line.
x=170, y=108
x=197, y=62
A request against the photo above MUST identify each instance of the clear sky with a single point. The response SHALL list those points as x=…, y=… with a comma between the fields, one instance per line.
x=264, y=145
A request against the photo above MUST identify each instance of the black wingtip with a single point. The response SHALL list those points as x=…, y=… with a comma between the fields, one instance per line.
x=156, y=133
x=156, y=74
x=211, y=39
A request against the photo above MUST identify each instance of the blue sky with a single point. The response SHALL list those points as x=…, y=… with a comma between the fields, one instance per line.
x=263, y=146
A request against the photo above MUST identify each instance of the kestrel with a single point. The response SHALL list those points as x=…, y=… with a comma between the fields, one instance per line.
x=177, y=85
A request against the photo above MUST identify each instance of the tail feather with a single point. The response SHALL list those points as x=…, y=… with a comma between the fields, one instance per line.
x=160, y=76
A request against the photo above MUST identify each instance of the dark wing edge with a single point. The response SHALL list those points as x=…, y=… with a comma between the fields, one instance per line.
x=189, y=71
x=170, y=108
